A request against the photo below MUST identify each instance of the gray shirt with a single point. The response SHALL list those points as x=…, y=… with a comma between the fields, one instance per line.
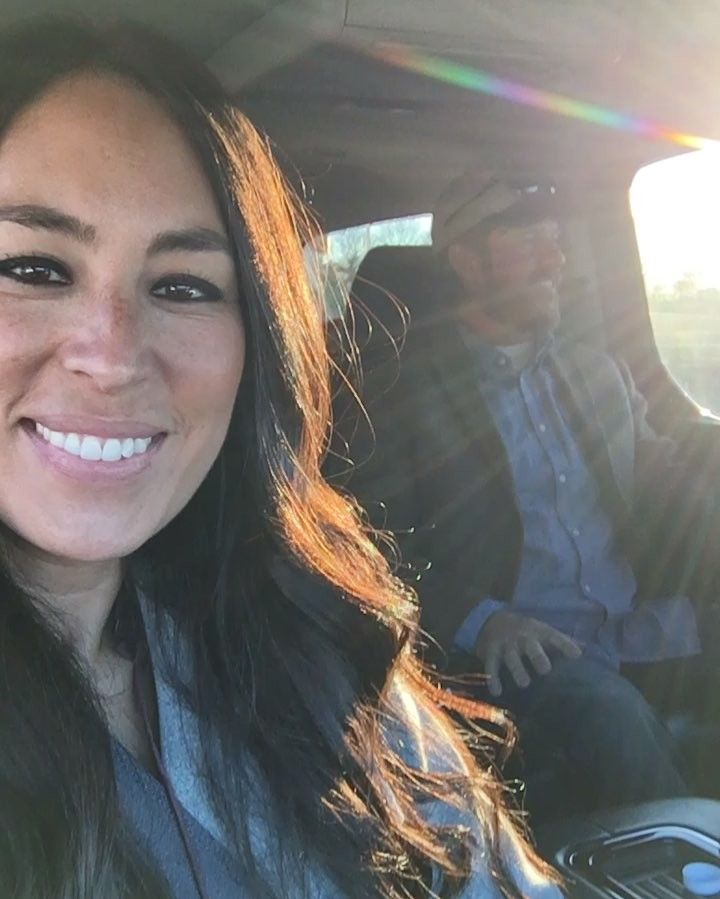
x=146, y=805
x=149, y=811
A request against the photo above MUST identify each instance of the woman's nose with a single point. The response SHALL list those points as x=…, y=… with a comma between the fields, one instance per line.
x=108, y=345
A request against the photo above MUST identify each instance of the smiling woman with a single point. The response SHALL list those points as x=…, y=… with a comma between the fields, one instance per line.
x=207, y=667
x=109, y=297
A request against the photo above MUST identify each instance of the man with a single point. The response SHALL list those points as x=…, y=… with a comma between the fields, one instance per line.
x=520, y=471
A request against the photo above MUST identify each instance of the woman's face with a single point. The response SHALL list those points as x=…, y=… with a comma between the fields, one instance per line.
x=121, y=341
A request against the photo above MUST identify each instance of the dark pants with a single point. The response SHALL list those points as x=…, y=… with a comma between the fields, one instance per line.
x=590, y=737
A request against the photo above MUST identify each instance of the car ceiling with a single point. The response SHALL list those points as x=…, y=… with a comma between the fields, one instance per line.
x=367, y=139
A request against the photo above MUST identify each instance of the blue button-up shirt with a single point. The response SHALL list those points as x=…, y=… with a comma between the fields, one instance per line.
x=573, y=575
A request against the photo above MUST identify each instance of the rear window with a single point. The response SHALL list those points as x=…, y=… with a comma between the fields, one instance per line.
x=335, y=262
x=676, y=208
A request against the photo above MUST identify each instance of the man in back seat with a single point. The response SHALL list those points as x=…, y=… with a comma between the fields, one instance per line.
x=522, y=470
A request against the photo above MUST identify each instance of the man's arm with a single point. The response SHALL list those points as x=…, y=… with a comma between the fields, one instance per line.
x=467, y=634
x=392, y=458
x=677, y=509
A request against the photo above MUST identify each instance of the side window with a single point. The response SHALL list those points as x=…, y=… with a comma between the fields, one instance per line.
x=335, y=263
x=676, y=208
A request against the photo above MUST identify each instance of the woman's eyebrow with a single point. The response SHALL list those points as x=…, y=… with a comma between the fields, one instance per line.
x=193, y=239
x=48, y=219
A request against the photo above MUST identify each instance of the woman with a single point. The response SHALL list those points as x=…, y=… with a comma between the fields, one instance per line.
x=206, y=666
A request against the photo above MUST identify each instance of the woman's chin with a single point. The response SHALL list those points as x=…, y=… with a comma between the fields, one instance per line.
x=82, y=548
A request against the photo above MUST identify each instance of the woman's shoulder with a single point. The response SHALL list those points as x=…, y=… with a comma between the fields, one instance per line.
x=414, y=733
x=412, y=730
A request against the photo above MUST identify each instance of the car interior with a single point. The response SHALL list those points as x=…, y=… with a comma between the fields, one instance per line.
x=372, y=106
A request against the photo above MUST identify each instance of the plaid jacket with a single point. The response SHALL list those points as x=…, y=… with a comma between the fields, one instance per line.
x=434, y=471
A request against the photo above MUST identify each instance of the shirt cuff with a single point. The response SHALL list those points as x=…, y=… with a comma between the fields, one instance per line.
x=467, y=634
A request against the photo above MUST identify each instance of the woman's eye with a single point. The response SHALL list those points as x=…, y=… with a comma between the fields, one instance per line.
x=34, y=270
x=187, y=289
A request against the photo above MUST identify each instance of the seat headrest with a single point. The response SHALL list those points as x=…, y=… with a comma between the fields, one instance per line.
x=404, y=272
x=392, y=286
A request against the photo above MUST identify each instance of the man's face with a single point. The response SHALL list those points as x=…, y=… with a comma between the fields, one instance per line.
x=516, y=275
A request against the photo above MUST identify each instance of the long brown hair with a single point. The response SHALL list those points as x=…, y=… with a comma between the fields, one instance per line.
x=301, y=640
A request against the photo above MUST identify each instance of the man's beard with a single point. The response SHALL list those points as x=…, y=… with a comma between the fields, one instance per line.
x=525, y=312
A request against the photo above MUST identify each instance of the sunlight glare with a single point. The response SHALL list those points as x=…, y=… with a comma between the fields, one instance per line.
x=676, y=207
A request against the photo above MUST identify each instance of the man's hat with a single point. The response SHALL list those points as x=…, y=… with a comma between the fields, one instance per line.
x=479, y=196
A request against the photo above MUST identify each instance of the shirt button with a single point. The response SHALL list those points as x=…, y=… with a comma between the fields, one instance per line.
x=542, y=429
x=562, y=478
x=586, y=588
x=575, y=532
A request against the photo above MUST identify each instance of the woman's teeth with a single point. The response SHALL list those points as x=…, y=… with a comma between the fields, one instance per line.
x=95, y=449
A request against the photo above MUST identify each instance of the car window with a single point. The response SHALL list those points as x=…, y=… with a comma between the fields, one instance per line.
x=334, y=261
x=676, y=208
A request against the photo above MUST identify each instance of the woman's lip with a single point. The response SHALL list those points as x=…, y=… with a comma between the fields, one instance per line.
x=98, y=427
x=91, y=472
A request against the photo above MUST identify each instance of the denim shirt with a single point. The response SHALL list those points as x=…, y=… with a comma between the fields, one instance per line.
x=572, y=574
x=148, y=811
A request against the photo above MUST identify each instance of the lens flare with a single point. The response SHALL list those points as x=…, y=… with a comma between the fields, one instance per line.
x=483, y=82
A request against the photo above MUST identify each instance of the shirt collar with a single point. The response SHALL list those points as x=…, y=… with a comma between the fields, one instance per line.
x=503, y=363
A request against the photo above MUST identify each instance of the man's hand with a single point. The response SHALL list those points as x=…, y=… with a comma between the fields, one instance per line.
x=508, y=639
